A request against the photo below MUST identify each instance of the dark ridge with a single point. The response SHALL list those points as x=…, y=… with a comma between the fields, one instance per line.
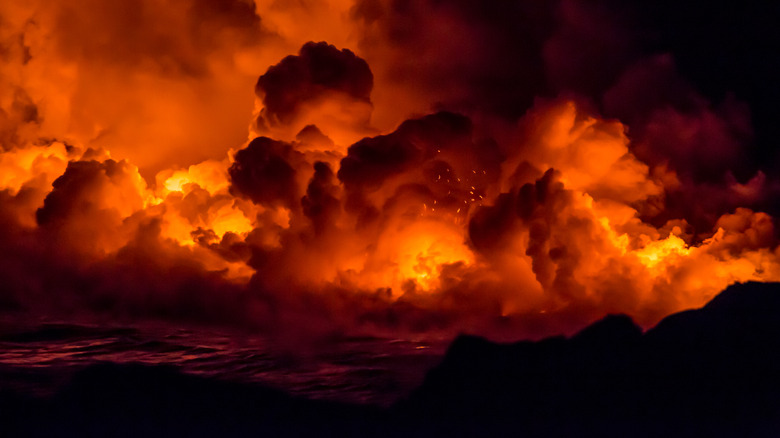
x=714, y=371
x=741, y=318
x=611, y=331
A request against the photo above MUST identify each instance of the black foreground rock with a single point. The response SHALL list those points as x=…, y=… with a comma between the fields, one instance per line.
x=714, y=371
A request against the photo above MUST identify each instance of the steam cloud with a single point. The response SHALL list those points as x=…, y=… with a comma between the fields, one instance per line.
x=514, y=169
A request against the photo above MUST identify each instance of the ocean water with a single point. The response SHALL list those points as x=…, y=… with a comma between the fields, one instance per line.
x=39, y=359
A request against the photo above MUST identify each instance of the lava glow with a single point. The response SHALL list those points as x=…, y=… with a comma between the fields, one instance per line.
x=354, y=200
x=420, y=251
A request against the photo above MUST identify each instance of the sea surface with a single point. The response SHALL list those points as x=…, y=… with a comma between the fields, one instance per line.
x=39, y=359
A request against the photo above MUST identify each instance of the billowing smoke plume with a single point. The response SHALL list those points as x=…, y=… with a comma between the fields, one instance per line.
x=513, y=169
x=321, y=85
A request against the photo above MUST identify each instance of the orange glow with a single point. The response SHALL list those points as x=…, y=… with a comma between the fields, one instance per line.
x=176, y=183
x=230, y=219
x=127, y=147
x=659, y=251
x=422, y=249
x=197, y=198
x=210, y=175
x=595, y=223
x=22, y=165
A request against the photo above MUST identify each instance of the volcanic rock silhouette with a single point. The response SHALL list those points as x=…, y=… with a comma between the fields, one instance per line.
x=714, y=371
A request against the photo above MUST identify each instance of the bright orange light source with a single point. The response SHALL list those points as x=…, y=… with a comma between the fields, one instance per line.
x=176, y=182
x=423, y=248
x=659, y=251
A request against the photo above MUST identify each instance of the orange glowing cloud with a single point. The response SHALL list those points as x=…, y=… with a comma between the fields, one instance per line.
x=376, y=189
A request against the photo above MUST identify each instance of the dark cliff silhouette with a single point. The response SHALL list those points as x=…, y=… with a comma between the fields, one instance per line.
x=714, y=371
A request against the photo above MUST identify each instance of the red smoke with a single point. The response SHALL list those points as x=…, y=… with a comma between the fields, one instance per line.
x=430, y=172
